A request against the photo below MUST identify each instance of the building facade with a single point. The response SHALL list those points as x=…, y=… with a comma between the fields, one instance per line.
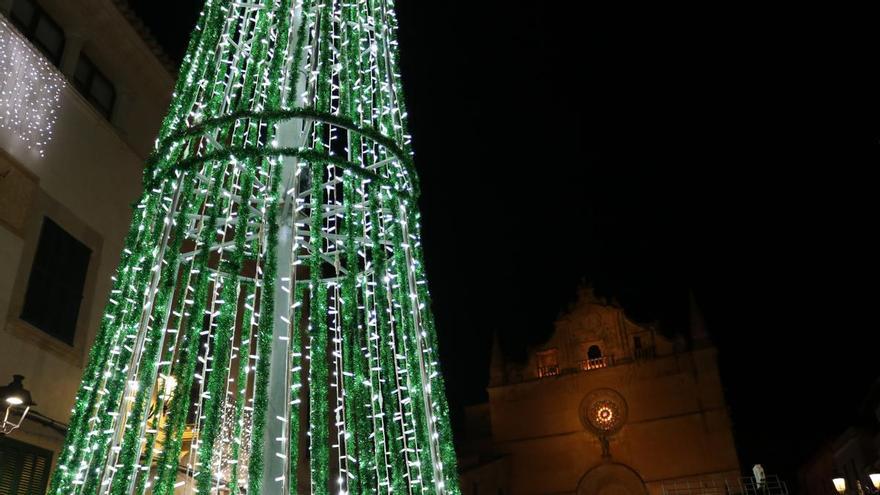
x=853, y=455
x=82, y=93
x=609, y=407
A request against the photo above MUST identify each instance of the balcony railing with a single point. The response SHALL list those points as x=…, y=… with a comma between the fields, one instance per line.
x=597, y=363
x=719, y=486
x=551, y=370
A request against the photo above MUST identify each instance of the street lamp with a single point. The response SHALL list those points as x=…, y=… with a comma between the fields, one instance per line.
x=875, y=480
x=17, y=401
x=839, y=485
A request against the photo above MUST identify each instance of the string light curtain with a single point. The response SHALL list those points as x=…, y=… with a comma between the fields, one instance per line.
x=269, y=327
x=30, y=90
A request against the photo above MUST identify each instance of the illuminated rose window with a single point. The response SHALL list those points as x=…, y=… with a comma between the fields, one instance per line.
x=603, y=415
x=603, y=411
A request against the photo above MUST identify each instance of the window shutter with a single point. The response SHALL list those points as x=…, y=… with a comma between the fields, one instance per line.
x=8, y=464
x=24, y=469
x=55, y=286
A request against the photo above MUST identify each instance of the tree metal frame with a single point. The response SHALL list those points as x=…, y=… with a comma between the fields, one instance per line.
x=269, y=327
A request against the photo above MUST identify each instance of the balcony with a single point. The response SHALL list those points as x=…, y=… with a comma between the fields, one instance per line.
x=545, y=371
x=597, y=363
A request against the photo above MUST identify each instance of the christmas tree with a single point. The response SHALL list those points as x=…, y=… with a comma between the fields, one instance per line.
x=269, y=326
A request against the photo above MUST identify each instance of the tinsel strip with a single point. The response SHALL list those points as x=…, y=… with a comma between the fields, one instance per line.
x=396, y=446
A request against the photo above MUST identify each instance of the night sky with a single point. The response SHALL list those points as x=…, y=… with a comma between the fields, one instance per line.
x=708, y=149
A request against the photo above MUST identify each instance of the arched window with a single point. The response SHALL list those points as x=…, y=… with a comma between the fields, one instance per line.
x=595, y=359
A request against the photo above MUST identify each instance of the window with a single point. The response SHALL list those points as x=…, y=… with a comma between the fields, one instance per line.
x=55, y=286
x=548, y=363
x=38, y=27
x=94, y=85
x=24, y=469
x=595, y=359
x=641, y=349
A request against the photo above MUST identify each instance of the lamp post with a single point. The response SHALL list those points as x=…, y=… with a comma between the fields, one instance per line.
x=839, y=485
x=17, y=401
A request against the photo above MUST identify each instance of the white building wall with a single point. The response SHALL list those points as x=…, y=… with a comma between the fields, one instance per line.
x=86, y=181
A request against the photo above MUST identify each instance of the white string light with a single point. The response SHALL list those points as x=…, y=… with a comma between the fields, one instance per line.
x=30, y=90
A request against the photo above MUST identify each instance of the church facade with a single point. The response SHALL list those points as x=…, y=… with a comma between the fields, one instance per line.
x=610, y=407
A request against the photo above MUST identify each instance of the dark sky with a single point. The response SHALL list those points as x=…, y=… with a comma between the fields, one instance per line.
x=723, y=150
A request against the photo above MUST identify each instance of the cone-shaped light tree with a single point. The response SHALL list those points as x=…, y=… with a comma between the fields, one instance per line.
x=269, y=327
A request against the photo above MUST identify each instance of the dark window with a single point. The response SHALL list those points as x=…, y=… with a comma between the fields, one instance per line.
x=24, y=469
x=55, y=286
x=94, y=85
x=38, y=27
x=637, y=342
x=594, y=352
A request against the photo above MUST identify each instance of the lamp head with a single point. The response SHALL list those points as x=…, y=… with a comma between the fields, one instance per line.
x=15, y=394
x=839, y=485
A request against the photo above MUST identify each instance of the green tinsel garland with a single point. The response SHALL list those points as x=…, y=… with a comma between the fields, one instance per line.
x=244, y=348
x=264, y=344
x=267, y=304
x=182, y=402
x=129, y=325
x=86, y=397
x=159, y=164
x=438, y=387
x=394, y=436
x=131, y=444
x=222, y=341
x=296, y=350
x=382, y=380
x=400, y=310
x=406, y=333
x=204, y=37
x=360, y=451
x=226, y=320
x=254, y=152
x=264, y=338
x=184, y=369
x=318, y=374
x=152, y=436
x=384, y=437
x=353, y=380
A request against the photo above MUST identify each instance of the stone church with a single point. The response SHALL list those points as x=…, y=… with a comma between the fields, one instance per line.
x=604, y=407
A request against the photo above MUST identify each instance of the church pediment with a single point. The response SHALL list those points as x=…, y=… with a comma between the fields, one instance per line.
x=592, y=334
